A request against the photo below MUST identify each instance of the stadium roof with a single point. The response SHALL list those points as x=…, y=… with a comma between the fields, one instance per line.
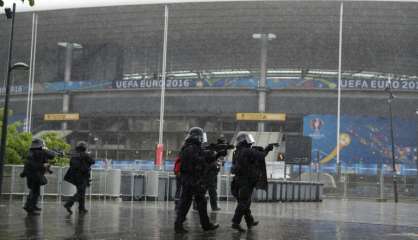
x=377, y=36
x=45, y=5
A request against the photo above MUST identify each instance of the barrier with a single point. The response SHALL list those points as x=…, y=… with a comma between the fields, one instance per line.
x=152, y=185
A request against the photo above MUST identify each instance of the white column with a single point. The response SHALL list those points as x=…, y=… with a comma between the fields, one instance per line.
x=164, y=64
x=31, y=79
x=262, y=83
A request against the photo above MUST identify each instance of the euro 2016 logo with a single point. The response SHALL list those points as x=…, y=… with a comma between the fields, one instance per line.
x=316, y=125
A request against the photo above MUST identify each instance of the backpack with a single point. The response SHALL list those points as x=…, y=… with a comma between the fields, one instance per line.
x=177, y=165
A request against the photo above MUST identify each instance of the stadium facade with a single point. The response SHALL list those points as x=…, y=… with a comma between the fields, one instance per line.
x=107, y=61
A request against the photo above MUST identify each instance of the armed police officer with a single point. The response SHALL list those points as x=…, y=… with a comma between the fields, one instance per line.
x=79, y=175
x=221, y=148
x=248, y=165
x=35, y=167
x=193, y=170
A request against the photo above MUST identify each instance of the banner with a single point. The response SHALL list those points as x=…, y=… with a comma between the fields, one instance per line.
x=15, y=89
x=223, y=82
x=153, y=83
x=409, y=85
x=364, y=142
x=79, y=85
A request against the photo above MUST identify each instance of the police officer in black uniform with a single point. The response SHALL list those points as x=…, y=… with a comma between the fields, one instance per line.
x=214, y=167
x=79, y=175
x=248, y=165
x=193, y=180
x=34, y=170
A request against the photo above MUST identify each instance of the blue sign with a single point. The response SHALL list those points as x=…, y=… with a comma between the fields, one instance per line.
x=364, y=142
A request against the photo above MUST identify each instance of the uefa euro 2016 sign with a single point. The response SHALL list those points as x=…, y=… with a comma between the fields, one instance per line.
x=151, y=83
x=379, y=84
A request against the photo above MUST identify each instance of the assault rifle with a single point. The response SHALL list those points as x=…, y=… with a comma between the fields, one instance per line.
x=269, y=147
x=220, y=148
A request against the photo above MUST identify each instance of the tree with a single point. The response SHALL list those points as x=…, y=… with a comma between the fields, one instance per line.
x=18, y=144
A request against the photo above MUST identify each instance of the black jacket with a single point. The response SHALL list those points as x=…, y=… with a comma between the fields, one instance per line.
x=194, y=164
x=34, y=169
x=249, y=167
x=80, y=166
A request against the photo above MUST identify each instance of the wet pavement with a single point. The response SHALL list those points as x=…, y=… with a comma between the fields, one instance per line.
x=109, y=219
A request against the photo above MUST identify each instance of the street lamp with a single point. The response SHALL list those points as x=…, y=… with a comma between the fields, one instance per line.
x=17, y=66
x=264, y=38
x=392, y=138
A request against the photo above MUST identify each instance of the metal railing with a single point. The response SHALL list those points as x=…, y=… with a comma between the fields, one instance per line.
x=150, y=185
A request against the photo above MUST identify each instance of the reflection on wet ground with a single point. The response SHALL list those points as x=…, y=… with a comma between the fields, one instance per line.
x=331, y=219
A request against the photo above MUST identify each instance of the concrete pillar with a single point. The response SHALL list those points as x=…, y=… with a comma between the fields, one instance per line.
x=67, y=78
x=262, y=84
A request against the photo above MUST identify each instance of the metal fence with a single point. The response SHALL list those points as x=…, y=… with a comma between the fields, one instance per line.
x=151, y=185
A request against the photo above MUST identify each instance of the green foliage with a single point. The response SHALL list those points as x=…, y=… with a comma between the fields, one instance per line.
x=17, y=147
x=53, y=142
x=18, y=144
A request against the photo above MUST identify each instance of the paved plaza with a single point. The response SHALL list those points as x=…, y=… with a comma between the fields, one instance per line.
x=110, y=219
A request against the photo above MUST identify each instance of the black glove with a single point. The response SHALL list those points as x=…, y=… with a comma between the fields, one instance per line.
x=269, y=148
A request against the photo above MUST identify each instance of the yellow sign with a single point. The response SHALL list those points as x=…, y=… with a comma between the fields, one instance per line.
x=62, y=117
x=261, y=116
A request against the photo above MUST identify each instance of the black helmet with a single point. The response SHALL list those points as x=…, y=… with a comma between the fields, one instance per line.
x=81, y=146
x=245, y=138
x=37, y=143
x=196, y=133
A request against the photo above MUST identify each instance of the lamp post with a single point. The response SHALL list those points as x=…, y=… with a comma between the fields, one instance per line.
x=17, y=66
x=159, y=161
x=262, y=84
x=392, y=138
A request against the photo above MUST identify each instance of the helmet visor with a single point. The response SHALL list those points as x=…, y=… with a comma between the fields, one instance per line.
x=204, y=138
x=250, y=139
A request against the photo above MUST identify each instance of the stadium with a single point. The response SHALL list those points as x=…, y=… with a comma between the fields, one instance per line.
x=222, y=58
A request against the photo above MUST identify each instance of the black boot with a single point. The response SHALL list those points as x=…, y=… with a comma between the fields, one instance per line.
x=82, y=210
x=238, y=227
x=33, y=213
x=178, y=228
x=215, y=209
x=68, y=206
x=252, y=224
x=37, y=208
x=30, y=211
x=211, y=226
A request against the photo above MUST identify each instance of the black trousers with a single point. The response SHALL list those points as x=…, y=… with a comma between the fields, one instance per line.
x=213, y=192
x=79, y=196
x=243, y=204
x=178, y=192
x=190, y=189
x=34, y=193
